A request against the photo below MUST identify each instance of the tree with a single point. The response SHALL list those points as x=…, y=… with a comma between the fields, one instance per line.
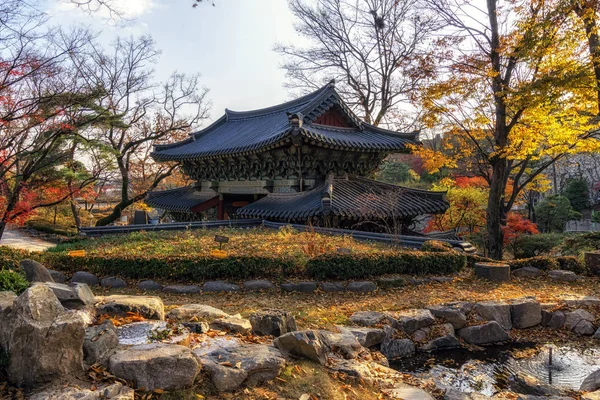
x=141, y=112
x=553, y=213
x=42, y=108
x=466, y=212
x=376, y=50
x=394, y=172
x=516, y=227
x=514, y=91
x=578, y=193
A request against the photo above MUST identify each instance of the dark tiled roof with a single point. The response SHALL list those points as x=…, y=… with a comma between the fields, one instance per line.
x=353, y=198
x=177, y=200
x=251, y=131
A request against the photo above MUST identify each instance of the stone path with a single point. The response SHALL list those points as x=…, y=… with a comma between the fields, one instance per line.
x=20, y=240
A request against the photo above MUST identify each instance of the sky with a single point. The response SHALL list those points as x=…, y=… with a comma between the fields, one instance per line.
x=230, y=44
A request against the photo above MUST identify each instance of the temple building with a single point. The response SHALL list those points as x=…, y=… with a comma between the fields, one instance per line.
x=305, y=161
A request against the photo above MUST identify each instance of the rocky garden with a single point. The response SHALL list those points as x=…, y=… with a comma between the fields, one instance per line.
x=74, y=331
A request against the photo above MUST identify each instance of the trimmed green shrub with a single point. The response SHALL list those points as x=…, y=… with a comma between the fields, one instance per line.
x=576, y=245
x=334, y=266
x=540, y=262
x=536, y=245
x=570, y=263
x=436, y=246
x=197, y=268
x=475, y=258
x=10, y=258
x=12, y=281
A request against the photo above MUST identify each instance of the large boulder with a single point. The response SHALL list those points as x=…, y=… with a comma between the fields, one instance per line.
x=525, y=313
x=452, y=315
x=58, y=276
x=156, y=366
x=487, y=333
x=411, y=320
x=304, y=344
x=393, y=348
x=367, y=337
x=85, y=277
x=562, y=275
x=100, y=343
x=44, y=342
x=249, y=364
x=343, y=343
x=196, y=312
x=35, y=272
x=439, y=337
x=272, y=322
x=580, y=321
x=557, y=320
x=149, y=285
x=591, y=382
x=74, y=296
x=369, y=318
x=494, y=311
x=114, y=391
x=150, y=307
x=232, y=324
x=527, y=272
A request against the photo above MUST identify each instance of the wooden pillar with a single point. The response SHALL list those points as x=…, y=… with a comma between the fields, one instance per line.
x=221, y=208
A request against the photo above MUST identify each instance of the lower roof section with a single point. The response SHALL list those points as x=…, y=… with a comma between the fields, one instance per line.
x=353, y=198
x=185, y=199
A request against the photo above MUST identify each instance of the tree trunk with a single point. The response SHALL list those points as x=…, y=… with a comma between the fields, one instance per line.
x=2, y=228
x=116, y=213
x=495, y=210
x=75, y=213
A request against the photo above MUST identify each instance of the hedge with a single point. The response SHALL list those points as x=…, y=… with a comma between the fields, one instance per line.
x=546, y=263
x=528, y=246
x=12, y=281
x=436, y=246
x=191, y=268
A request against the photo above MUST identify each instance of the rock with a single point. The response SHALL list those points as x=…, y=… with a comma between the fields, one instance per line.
x=411, y=320
x=139, y=332
x=225, y=379
x=73, y=296
x=546, y=316
x=57, y=276
x=343, y=343
x=272, y=322
x=232, y=324
x=495, y=272
x=488, y=333
x=591, y=396
x=455, y=394
x=592, y=261
x=597, y=334
x=368, y=318
x=444, y=338
x=407, y=393
x=149, y=307
x=6, y=301
x=149, y=285
x=220, y=286
x=393, y=282
x=494, y=311
x=114, y=391
x=85, y=277
x=449, y=314
x=303, y=287
x=584, y=328
x=367, y=337
x=156, y=366
x=44, y=342
x=197, y=327
x=563, y=276
x=591, y=382
x=305, y=344
x=332, y=286
x=397, y=348
x=525, y=313
x=258, y=285
x=361, y=287
x=259, y=363
x=573, y=318
x=196, y=312
x=113, y=282
x=181, y=289
x=527, y=272
x=35, y=272
x=557, y=320
x=525, y=384
x=100, y=343
x=582, y=301
x=464, y=306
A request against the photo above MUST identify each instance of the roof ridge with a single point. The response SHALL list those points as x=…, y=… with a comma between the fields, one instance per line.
x=159, y=192
x=307, y=98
